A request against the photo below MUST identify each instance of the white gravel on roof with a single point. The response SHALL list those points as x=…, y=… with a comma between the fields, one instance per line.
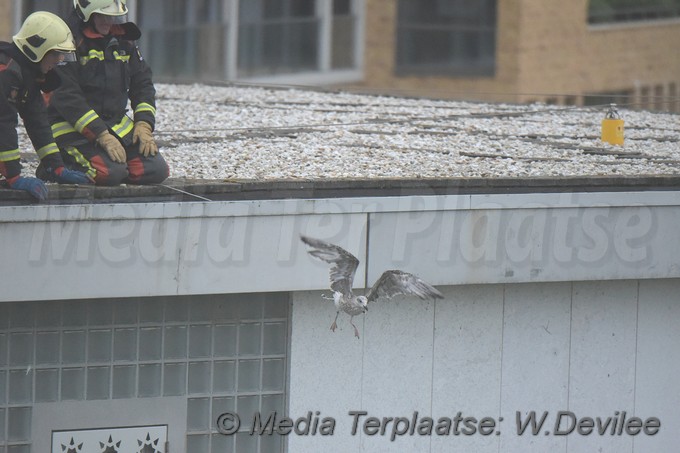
x=240, y=132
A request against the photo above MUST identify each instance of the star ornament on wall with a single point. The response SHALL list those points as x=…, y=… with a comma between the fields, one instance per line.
x=72, y=448
x=148, y=446
x=110, y=447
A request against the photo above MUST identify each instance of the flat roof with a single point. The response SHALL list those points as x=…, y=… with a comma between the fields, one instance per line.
x=244, y=142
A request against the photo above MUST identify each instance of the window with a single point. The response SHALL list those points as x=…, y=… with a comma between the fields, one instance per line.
x=60, y=7
x=659, y=98
x=604, y=98
x=298, y=41
x=184, y=39
x=342, y=7
x=343, y=33
x=448, y=37
x=608, y=11
x=222, y=353
x=277, y=36
x=674, y=101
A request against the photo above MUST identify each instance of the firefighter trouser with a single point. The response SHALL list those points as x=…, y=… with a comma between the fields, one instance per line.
x=95, y=162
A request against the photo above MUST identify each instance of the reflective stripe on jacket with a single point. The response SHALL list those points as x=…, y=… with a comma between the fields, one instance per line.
x=96, y=88
x=21, y=82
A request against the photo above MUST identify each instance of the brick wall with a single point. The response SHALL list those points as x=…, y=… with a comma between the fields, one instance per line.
x=636, y=57
x=544, y=48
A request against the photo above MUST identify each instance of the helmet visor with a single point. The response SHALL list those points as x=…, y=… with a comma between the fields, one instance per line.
x=61, y=56
x=68, y=56
x=67, y=48
x=110, y=19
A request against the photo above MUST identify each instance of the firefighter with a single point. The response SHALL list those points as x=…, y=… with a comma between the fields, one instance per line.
x=26, y=69
x=88, y=112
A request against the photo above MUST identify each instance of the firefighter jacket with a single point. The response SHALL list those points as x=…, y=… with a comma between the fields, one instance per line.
x=95, y=89
x=21, y=82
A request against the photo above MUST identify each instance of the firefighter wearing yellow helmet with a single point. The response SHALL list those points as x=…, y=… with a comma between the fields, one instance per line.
x=27, y=68
x=41, y=32
x=88, y=114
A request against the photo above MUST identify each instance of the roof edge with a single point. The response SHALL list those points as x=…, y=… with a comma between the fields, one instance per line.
x=179, y=190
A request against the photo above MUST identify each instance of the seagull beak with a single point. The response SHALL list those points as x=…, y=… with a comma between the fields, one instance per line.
x=366, y=308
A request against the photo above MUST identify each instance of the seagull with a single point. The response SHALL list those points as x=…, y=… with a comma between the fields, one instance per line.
x=343, y=267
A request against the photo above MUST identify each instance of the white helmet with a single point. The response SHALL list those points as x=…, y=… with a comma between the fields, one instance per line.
x=115, y=9
x=41, y=32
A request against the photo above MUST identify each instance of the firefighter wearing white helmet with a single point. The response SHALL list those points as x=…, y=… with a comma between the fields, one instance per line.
x=89, y=113
x=26, y=70
x=115, y=9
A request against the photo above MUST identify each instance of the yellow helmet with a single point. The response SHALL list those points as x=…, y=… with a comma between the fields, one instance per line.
x=113, y=8
x=41, y=32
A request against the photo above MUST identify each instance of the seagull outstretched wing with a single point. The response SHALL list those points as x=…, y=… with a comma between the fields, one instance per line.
x=344, y=264
x=395, y=282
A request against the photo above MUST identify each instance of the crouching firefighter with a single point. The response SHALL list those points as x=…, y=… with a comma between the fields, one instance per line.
x=88, y=113
x=27, y=68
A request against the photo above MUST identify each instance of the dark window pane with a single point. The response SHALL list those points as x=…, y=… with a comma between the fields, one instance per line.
x=59, y=7
x=273, y=9
x=446, y=36
x=278, y=47
x=342, y=7
x=175, y=12
x=208, y=11
x=343, y=30
x=604, y=11
x=302, y=8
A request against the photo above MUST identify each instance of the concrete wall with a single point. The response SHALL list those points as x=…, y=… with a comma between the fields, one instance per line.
x=554, y=302
x=593, y=348
x=154, y=249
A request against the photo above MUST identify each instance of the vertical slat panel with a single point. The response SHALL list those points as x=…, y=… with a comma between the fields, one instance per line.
x=397, y=368
x=467, y=362
x=602, y=372
x=658, y=363
x=535, y=361
x=325, y=373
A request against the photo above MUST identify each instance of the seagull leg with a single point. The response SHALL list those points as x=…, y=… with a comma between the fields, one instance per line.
x=356, y=331
x=335, y=325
